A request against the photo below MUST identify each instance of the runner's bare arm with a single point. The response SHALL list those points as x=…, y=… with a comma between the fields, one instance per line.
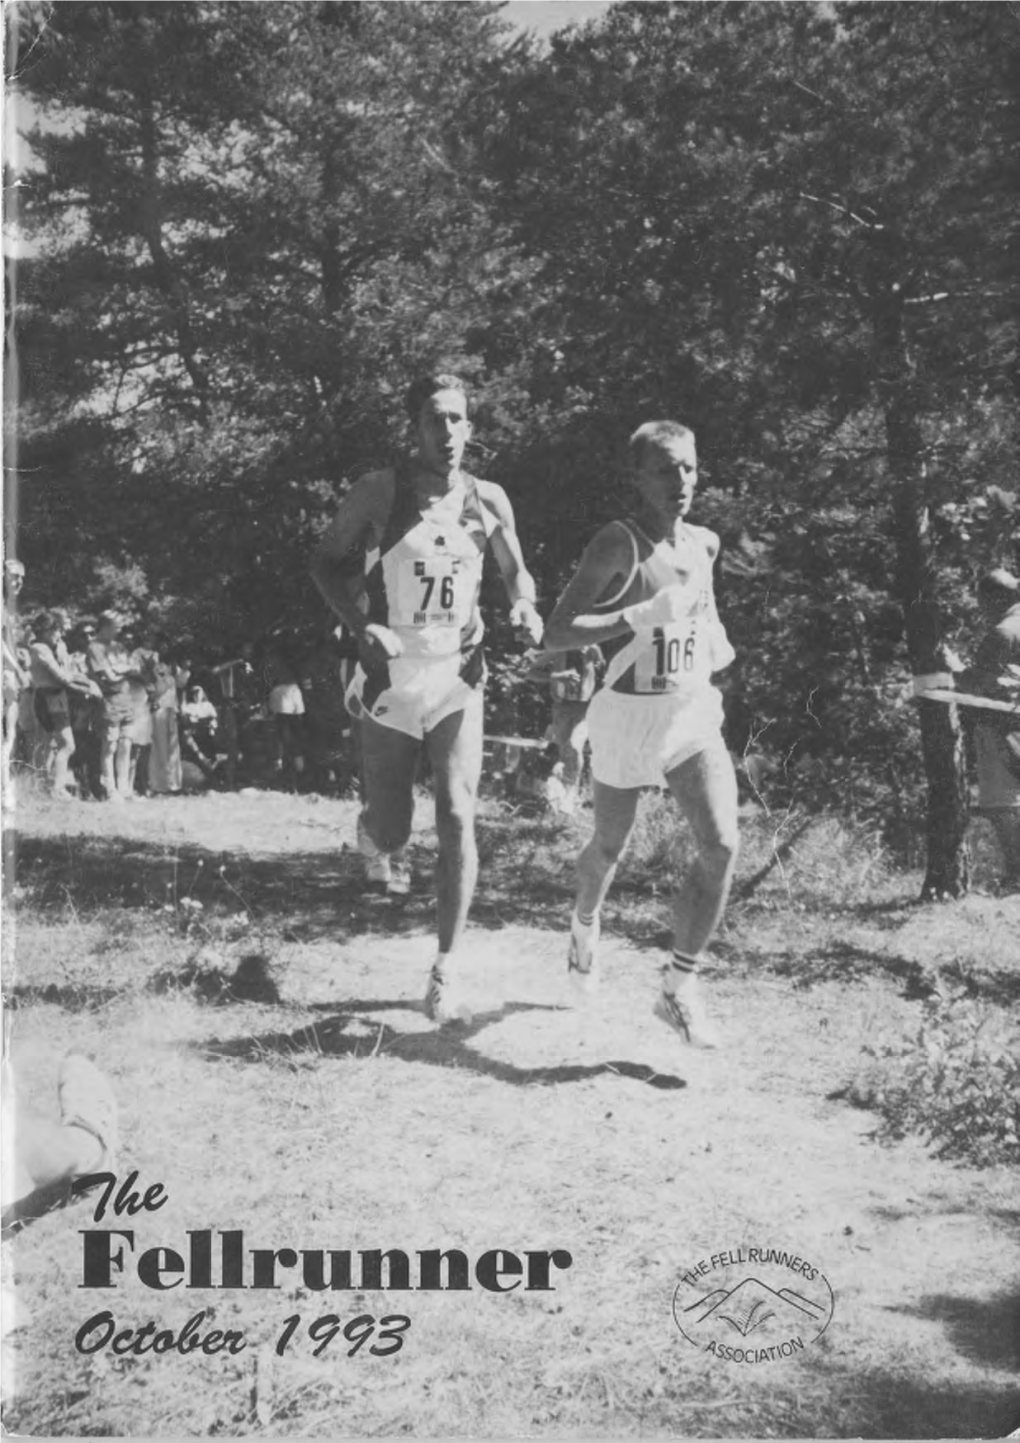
x=604, y=570
x=517, y=579
x=338, y=563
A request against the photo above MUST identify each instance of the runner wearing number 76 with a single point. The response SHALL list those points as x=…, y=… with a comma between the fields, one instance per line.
x=643, y=592
x=402, y=567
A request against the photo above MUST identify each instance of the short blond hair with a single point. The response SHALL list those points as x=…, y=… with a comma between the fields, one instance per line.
x=654, y=433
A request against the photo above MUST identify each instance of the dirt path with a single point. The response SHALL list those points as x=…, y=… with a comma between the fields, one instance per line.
x=338, y=1117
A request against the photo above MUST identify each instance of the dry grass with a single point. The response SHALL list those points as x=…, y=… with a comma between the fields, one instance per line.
x=336, y=1116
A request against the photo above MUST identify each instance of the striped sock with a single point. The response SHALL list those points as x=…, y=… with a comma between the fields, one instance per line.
x=681, y=967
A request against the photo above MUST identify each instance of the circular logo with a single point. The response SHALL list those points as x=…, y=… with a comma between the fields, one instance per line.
x=753, y=1305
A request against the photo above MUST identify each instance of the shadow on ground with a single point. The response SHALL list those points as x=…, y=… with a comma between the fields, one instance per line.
x=848, y=962
x=73, y=997
x=348, y=1034
x=986, y=1330
x=310, y=893
x=895, y=1403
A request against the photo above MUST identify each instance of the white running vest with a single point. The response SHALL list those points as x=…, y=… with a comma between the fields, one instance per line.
x=679, y=656
x=424, y=577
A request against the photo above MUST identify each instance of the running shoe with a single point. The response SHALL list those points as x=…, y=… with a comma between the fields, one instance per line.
x=398, y=883
x=377, y=863
x=582, y=961
x=378, y=870
x=685, y=1013
x=443, y=1001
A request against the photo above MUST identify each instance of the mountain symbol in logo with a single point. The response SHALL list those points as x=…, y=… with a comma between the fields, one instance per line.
x=751, y=1306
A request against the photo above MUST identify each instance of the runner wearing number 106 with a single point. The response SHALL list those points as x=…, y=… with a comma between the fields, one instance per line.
x=402, y=566
x=643, y=593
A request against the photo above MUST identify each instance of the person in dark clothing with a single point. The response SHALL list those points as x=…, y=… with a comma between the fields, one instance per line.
x=995, y=673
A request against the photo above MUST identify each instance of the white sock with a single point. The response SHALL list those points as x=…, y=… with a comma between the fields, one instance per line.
x=442, y=967
x=681, y=972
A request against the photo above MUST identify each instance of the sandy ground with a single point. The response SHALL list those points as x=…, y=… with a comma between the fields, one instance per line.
x=340, y=1118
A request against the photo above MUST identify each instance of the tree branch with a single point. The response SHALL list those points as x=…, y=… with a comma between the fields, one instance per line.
x=843, y=210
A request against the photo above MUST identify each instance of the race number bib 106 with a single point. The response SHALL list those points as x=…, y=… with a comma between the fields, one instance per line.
x=671, y=662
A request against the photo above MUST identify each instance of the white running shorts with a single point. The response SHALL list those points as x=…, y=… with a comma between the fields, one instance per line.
x=637, y=740
x=287, y=700
x=420, y=696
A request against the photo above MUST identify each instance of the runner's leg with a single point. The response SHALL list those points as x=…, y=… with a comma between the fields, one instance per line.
x=615, y=809
x=389, y=764
x=705, y=789
x=454, y=749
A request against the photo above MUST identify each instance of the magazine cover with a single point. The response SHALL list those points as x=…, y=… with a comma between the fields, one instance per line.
x=511, y=737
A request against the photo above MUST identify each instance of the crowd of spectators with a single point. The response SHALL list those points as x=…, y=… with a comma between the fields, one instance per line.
x=111, y=710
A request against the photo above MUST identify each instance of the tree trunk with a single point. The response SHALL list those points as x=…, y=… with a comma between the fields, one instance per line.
x=150, y=224
x=948, y=861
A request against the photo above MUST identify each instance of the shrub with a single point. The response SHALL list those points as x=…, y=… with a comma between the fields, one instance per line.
x=955, y=1082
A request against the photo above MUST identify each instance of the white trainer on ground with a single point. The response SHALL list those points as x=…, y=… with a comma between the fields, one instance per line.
x=444, y=1001
x=582, y=959
x=684, y=1011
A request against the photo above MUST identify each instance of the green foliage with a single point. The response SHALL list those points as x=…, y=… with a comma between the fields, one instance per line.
x=955, y=1082
x=249, y=229
x=250, y=225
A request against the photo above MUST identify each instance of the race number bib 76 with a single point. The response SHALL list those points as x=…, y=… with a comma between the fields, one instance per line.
x=436, y=592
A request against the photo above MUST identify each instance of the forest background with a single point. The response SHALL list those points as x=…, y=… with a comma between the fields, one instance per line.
x=240, y=230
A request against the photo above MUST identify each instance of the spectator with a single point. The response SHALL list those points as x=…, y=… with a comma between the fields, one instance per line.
x=165, y=769
x=53, y=678
x=233, y=679
x=86, y=718
x=141, y=684
x=110, y=665
x=199, y=730
x=287, y=707
x=17, y=677
x=996, y=674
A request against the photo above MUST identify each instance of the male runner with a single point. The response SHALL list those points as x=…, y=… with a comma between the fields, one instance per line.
x=643, y=592
x=402, y=566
